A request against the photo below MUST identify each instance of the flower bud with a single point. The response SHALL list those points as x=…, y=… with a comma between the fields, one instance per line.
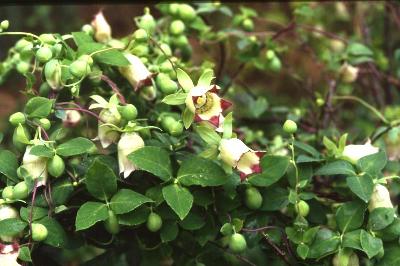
x=88, y=29
x=380, y=198
x=290, y=126
x=36, y=166
x=102, y=30
x=353, y=153
x=56, y=166
x=147, y=21
x=128, y=143
x=72, y=118
x=348, y=73
x=52, y=73
x=107, y=134
x=4, y=25
x=136, y=73
x=148, y=93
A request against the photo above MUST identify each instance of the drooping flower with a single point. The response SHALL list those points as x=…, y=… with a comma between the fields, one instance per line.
x=136, y=73
x=348, y=73
x=36, y=166
x=236, y=154
x=128, y=143
x=206, y=105
x=102, y=30
x=380, y=198
x=72, y=118
x=9, y=254
x=353, y=153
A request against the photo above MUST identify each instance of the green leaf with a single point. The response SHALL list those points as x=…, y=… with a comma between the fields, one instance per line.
x=57, y=236
x=112, y=57
x=373, y=164
x=8, y=164
x=370, y=245
x=37, y=213
x=154, y=160
x=391, y=255
x=350, y=216
x=75, y=146
x=339, y=167
x=135, y=217
x=359, y=49
x=184, y=80
x=177, y=98
x=169, y=231
x=226, y=229
x=12, y=226
x=25, y=254
x=201, y=171
x=362, y=186
x=126, y=200
x=179, y=199
x=100, y=180
x=274, y=198
x=228, y=126
x=325, y=242
x=187, y=117
x=302, y=250
x=206, y=78
x=42, y=151
x=192, y=222
x=307, y=148
x=352, y=240
x=38, y=107
x=61, y=190
x=380, y=218
x=330, y=145
x=274, y=167
x=89, y=214
x=208, y=135
x=81, y=38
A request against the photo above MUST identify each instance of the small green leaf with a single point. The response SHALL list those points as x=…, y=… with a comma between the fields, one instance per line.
x=201, y=171
x=42, y=151
x=37, y=213
x=370, y=245
x=179, y=199
x=135, y=217
x=373, y=164
x=274, y=167
x=89, y=214
x=25, y=254
x=228, y=126
x=81, y=38
x=350, y=215
x=336, y=168
x=192, y=222
x=380, y=218
x=154, y=160
x=274, y=198
x=126, y=200
x=100, y=180
x=169, y=231
x=302, y=250
x=184, y=80
x=38, y=107
x=206, y=78
x=359, y=49
x=74, y=147
x=187, y=117
x=8, y=164
x=307, y=148
x=57, y=237
x=12, y=226
x=175, y=99
x=362, y=186
x=208, y=135
x=352, y=240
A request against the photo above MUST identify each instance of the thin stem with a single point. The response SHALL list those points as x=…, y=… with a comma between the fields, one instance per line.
x=114, y=87
x=103, y=50
x=83, y=110
x=21, y=33
x=291, y=145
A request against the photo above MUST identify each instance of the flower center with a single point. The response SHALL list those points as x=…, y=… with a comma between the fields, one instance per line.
x=204, y=103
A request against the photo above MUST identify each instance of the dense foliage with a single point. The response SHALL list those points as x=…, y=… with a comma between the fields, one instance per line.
x=128, y=152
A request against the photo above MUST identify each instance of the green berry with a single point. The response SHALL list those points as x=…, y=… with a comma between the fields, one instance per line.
x=302, y=208
x=176, y=129
x=21, y=191
x=165, y=84
x=39, y=232
x=275, y=64
x=56, y=49
x=17, y=118
x=7, y=193
x=154, y=222
x=48, y=38
x=140, y=35
x=166, y=66
x=270, y=54
x=86, y=58
x=45, y=123
x=180, y=41
x=165, y=49
x=186, y=12
x=79, y=68
x=128, y=112
x=4, y=25
x=147, y=22
x=177, y=27
x=248, y=24
x=253, y=198
x=140, y=50
x=173, y=9
x=237, y=243
x=111, y=223
x=23, y=67
x=44, y=54
x=21, y=44
x=88, y=29
x=290, y=126
x=56, y=166
x=167, y=122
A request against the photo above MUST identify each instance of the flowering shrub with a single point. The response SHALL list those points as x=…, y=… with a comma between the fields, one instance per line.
x=129, y=153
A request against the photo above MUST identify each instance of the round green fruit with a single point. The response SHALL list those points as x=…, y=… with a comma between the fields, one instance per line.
x=140, y=50
x=48, y=38
x=237, y=243
x=7, y=193
x=88, y=29
x=39, y=232
x=86, y=58
x=17, y=118
x=176, y=129
x=290, y=126
x=253, y=198
x=275, y=64
x=111, y=224
x=186, y=12
x=23, y=67
x=4, y=24
x=165, y=84
x=56, y=166
x=128, y=112
x=154, y=222
x=248, y=24
x=302, y=208
x=140, y=35
x=177, y=27
x=44, y=54
x=45, y=123
x=79, y=68
x=21, y=44
x=21, y=191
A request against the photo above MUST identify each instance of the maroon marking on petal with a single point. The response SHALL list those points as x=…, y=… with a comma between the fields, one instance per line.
x=225, y=104
x=214, y=120
x=194, y=98
x=260, y=154
x=3, y=247
x=214, y=89
x=242, y=176
x=197, y=118
x=256, y=168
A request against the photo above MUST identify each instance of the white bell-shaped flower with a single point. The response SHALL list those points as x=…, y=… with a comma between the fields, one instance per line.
x=136, y=73
x=102, y=30
x=106, y=134
x=353, y=153
x=9, y=254
x=36, y=166
x=128, y=143
x=348, y=73
x=380, y=198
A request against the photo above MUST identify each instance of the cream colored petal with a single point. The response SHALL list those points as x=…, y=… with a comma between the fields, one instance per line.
x=102, y=28
x=231, y=150
x=380, y=198
x=128, y=143
x=247, y=163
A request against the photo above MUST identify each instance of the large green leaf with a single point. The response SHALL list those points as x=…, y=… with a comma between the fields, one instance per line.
x=12, y=226
x=175, y=99
x=362, y=186
x=57, y=236
x=380, y=218
x=100, y=180
x=154, y=160
x=38, y=107
x=372, y=164
x=371, y=245
x=81, y=38
x=8, y=164
x=350, y=215
x=336, y=168
x=208, y=134
x=179, y=199
x=274, y=198
x=126, y=200
x=169, y=231
x=74, y=147
x=274, y=167
x=201, y=171
x=89, y=214
x=42, y=151
x=110, y=57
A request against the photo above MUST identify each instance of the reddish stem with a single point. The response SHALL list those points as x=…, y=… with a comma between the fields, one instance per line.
x=115, y=88
x=83, y=110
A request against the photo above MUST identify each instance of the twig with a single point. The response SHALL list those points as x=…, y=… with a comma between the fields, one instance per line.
x=82, y=110
x=115, y=88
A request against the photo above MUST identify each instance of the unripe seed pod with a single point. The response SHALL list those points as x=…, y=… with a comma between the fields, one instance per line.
x=237, y=243
x=165, y=84
x=173, y=9
x=128, y=112
x=154, y=222
x=290, y=126
x=23, y=67
x=86, y=58
x=147, y=21
x=56, y=166
x=44, y=89
x=52, y=73
x=21, y=44
x=140, y=50
x=186, y=12
x=176, y=129
x=4, y=25
x=302, y=208
x=140, y=35
x=79, y=68
x=111, y=223
x=180, y=41
x=177, y=27
x=248, y=24
x=44, y=54
x=21, y=191
x=7, y=193
x=45, y=123
x=275, y=64
x=165, y=49
x=270, y=54
x=17, y=118
x=48, y=38
x=253, y=198
x=39, y=232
